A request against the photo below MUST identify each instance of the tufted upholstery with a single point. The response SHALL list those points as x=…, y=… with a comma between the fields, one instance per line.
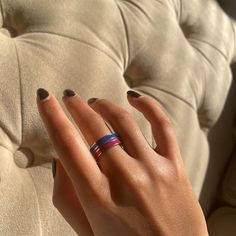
x=176, y=51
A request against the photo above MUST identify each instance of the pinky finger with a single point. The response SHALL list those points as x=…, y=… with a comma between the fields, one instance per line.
x=162, y=128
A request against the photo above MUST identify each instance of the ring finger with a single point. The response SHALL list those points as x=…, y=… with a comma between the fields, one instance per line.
x=125, y=125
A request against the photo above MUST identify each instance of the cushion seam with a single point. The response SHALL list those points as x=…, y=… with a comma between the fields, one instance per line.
x=20, y=88
x=75, y=39
x=167, y=92
x=209, y=44
x=180, y=11
x=7, y=148
x=196, y=49
x=205, y=88
x=40, y=223
x=234, y=36
x=175, y=8
x=170, y=93
x=1, y=10
x=126, y=32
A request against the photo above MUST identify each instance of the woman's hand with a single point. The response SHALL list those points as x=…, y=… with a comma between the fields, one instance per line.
x=132, y=191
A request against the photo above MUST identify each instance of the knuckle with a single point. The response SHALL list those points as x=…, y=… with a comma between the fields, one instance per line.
x=56, y=132
x=166, y=122
x=140, y=185
x=117, y=114
x=123, y=116
x=161, y=176
x=64, y=138
x=92, y=121
x=179, y=172
x=167, y=175
x=100, y=196
x=138, y=181
x=59, y=131
x=135, y=175
x=160, y=116
x=100, y=199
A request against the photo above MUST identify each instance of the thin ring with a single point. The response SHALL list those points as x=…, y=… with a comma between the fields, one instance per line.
x=98, y=149
x=103, y=144
x=102, y=140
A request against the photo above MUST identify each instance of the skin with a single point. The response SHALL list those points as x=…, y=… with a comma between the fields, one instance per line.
x=135, y=190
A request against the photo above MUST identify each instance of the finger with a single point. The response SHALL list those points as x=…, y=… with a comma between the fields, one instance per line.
x=68, y=144
x=67, y=202
x=93, y=128
x=162, y=129
x=124, y=124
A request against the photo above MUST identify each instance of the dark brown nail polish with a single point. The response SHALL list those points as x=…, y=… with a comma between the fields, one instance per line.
x=42, y=93
x=92, y=100
x=133, y=94
x=54, y=167
x=69, y=93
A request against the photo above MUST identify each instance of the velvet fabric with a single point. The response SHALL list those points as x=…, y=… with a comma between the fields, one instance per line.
x=178, y=52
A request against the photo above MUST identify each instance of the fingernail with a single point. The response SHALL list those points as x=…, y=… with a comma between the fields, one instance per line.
x=92, y=100
x=54, y=167
x=133, y=94
x=42, y=93
x=69, y=93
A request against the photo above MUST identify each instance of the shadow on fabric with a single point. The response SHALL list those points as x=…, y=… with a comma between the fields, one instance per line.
x=229, y=6
x=222, y=137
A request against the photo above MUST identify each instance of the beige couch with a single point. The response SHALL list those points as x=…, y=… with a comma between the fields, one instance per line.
x=176, y=51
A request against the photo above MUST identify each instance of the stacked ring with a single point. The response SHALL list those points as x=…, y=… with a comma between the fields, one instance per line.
x=104, y=143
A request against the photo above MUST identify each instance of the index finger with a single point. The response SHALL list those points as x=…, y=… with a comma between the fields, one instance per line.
x=71, y=149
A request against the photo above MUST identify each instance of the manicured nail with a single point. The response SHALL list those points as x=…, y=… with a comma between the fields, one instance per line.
x=42, y=93
x=69, y=93
x=133, y=94
x=54, y=167
x=92, y=100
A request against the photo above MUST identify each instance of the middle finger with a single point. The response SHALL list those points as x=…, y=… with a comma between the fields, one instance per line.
x=93, y=127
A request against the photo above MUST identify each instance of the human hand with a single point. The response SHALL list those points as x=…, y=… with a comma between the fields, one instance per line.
x=132, y=191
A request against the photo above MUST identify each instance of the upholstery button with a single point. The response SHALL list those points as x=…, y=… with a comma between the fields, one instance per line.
x=5, y=32
x=186, y=29
x=23, y=157
x=11, y=31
